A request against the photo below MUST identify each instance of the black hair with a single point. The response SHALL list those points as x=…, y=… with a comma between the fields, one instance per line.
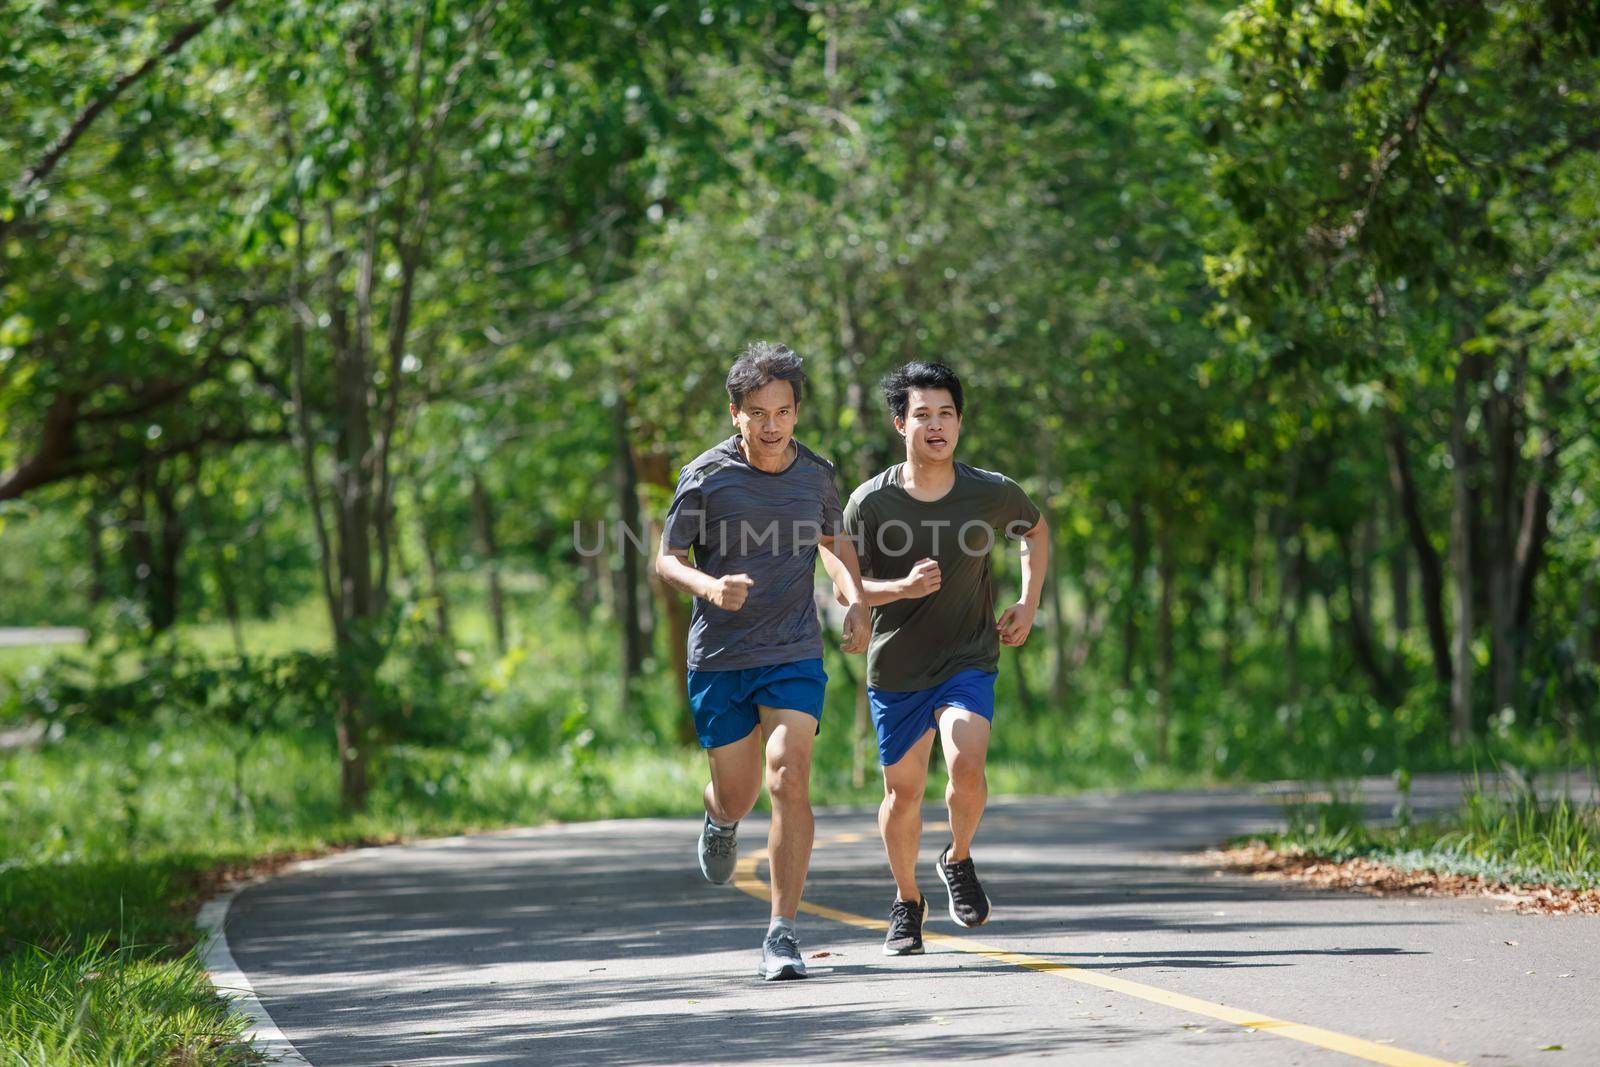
x=764, y=362
x=898, y=384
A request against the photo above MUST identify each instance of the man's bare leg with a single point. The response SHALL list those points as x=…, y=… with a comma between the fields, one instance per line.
x=729, y=795
x=900, y=815
x=735, y=779
x=789, y=736
x=965, y=737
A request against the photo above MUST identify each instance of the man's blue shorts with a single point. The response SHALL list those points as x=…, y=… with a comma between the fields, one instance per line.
x=724, y=702
x=901, y=718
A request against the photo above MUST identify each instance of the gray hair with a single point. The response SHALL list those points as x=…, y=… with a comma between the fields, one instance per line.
x=764, y=362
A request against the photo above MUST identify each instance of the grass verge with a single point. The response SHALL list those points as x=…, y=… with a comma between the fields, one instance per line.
x=1538, y=853
x=109, y=841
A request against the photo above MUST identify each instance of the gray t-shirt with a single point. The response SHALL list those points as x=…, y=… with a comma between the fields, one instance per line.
x=918, y=643
x=738, y=519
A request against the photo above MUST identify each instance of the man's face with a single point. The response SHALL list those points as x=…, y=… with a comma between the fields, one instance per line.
x=931, y=426
x=766, y=420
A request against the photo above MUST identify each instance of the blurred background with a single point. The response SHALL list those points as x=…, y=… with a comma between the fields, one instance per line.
x=324, y=325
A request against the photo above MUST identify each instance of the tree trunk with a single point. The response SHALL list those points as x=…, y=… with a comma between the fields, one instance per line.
x=483, y=519
x=1588, y=628
x=1358, y=625
x=1030, y=704
x=1139, y=543
x=97, y=554
x=1499, y=559
x=1461, y=552
x=1229, y=622
x=1430, y=568
x=230, y=599
x=153, y=548
x=164, y=584
x=1059, y=668
x=350, y=733
x=625, y=568
x=1535, y=530
x=654, y=470
x=350, y=510
x=1291, y=635
x=1257, y=582
x=1366, y=550
x=1399, y=569
x=358, y=642
x=1058, y=623
x=138, y=550
x=436, y=589
x=1166, y=568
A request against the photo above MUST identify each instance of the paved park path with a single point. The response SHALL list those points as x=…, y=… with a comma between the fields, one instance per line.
x=600, y=944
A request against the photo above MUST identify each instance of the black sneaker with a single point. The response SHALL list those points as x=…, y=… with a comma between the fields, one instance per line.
x=905, y=927
x=969, y=904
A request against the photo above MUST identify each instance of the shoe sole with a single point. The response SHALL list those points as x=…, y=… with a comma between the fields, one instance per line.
x=988, y=907
x=707, y=875
x=787, y=973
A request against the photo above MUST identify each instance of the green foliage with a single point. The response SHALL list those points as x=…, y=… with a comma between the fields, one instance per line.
x=174, y=685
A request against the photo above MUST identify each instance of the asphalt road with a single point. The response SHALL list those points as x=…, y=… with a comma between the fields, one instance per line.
x=600, y=944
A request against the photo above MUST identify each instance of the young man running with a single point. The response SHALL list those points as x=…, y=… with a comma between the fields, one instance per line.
x=755, y=510
x=924, y=529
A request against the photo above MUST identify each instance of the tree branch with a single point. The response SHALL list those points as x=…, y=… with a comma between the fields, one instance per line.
x=63, y=144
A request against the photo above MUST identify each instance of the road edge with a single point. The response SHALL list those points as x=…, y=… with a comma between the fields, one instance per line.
x=232, y=984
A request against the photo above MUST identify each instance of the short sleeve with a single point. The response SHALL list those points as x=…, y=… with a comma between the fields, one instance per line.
x=1018, y=513
x=685, y=523
x=832, y=518
x=855, y=528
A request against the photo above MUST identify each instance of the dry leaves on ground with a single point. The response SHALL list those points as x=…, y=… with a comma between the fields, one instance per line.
x=1380, y=879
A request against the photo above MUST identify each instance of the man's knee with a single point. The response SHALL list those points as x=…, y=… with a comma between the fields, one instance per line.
x=967, y=775
x=789, y=779
x=903, y=797
x=730, y=801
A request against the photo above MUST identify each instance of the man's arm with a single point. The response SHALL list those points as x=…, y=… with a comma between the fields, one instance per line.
x=1017, y=620
x=839, y=560
x=923, y=580
x=728, y=592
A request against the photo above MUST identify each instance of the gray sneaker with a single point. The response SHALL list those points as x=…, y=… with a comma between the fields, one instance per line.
x=719, y=852
x=780, y=958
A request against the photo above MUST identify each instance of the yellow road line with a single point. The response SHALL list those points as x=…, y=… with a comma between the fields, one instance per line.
x=745, y=878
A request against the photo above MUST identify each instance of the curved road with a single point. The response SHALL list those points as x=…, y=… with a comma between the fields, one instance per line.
x=600, y=944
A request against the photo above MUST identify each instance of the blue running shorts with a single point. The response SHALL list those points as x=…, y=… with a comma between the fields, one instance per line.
x=724, y=702
x=901, y=718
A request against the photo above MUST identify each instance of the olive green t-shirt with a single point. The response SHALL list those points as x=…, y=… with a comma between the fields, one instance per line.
x=918, y=643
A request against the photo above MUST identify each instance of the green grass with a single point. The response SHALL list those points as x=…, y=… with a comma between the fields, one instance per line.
x=1518, y=838
x=110, y=1006
x=108, y=838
